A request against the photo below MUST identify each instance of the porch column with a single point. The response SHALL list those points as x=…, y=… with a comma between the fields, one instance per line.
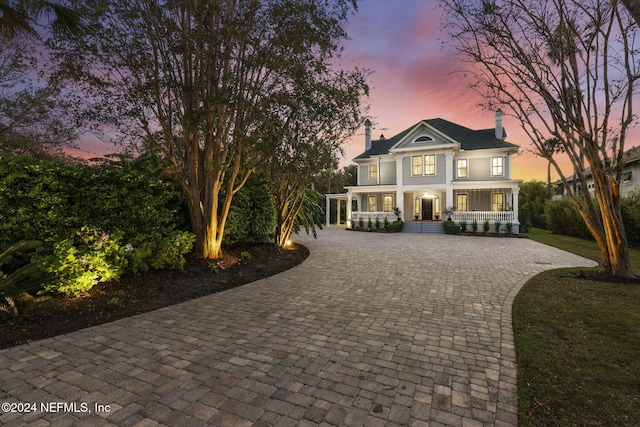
x=399, y=185
x=338, y=210
x=328, y=209
x=448, y=185
x=515, y=191
x=349, y=199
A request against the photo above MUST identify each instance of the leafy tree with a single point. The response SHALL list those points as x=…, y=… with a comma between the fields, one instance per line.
x=34, y=108
x=196, y=80
x=567, y=70
x=335, y=180
x=309, y=129
x=532, y=197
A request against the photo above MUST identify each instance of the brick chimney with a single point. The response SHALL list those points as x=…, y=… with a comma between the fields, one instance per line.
x=367, y=135
x=499, y=130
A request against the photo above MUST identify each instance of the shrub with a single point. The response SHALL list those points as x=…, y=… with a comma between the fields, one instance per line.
x=377, y=223
x=93, y=256
x=360, y=223
x=485, y=226
x=631, y=216
x=95, y=224
x=50, y=200
x=474, y=225
x=563, y=218
x=20, y=274
x=386, y=223
x=395, y=227
x=369, y=224
x=463, y=226
x=451, y=227
x=252, y=216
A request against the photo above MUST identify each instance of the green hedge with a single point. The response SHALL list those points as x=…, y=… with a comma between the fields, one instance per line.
x=94, y=223
x=49, y=201
x=563, y=218
x=451, y=227
x=631, y=216
x=252, y=216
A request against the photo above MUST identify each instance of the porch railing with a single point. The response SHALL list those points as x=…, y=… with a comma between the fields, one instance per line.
x=356, y=216
x=482, y=216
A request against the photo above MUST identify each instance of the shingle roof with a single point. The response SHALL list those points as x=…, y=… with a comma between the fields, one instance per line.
x=469, y=139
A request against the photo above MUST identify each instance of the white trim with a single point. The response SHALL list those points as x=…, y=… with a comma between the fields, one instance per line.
x=446, y=147
x=372, y=188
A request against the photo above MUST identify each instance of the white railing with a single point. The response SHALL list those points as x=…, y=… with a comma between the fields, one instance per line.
x=356, y=216
x=482, y=216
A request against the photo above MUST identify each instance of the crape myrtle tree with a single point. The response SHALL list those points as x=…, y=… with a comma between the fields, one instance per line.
x=196, y=79
x=309, y=126
x=568, y=71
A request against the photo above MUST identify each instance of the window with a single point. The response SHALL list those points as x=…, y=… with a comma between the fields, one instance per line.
x=416, y=165
x=462, y=203
x=373, y=203
x=462, y=168
x=388, y=204
x=497, y=168
x=373, y=171
x=430, y=164
x=497, y=202
x=423, y=139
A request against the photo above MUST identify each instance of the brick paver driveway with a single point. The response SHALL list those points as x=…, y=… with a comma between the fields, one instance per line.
x=372, y=330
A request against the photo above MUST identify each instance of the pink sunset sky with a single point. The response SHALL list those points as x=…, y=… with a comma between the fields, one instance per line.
x=414, y=77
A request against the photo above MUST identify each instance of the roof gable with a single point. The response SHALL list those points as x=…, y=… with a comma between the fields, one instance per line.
x=422, y=135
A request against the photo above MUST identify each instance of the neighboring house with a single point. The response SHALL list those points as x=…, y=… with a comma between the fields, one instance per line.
x=630, y=176
x=435, y=166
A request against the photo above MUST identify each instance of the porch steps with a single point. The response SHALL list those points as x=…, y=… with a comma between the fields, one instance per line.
x=433, y=227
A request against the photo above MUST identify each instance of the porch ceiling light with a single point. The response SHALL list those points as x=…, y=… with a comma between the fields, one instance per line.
x=426, y=195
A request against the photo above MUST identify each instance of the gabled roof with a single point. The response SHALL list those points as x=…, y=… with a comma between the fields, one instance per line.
x=469, y=139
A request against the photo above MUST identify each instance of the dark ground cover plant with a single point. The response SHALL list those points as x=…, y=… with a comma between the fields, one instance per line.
x=577, y=335
x=138, y=293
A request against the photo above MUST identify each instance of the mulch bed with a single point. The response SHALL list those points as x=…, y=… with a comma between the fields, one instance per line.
x=141, y=293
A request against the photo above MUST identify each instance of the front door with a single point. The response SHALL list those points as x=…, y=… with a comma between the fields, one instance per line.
x=427, y=209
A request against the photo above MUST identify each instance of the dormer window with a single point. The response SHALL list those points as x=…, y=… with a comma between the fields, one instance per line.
x=423, y=139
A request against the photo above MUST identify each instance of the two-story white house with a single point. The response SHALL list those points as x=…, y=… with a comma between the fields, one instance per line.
x=433, y=167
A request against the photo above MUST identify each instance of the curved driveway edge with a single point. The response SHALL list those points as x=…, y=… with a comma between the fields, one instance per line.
x=371, y=330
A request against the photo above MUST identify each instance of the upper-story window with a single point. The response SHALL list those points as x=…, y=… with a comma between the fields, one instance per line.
x=416, y=165
x=463, y=170
x=430, y=164
x=497, y=166
x=373, y=171
x=423, y=165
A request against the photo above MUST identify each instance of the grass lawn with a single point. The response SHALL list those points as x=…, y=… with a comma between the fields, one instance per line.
x=578, y=342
